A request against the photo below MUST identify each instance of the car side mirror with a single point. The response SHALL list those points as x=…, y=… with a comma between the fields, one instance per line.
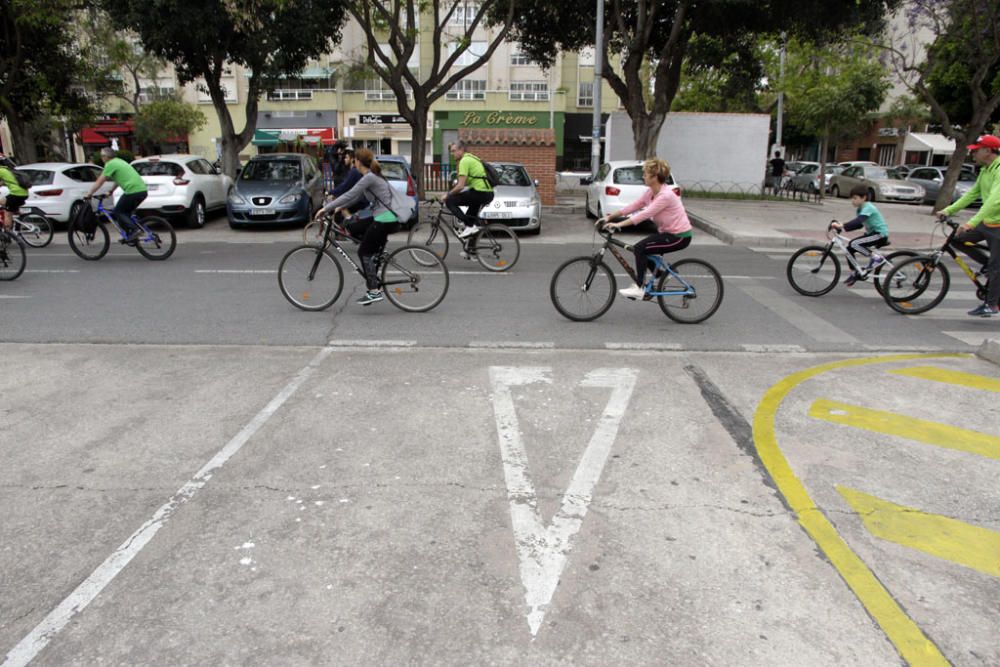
x=535, y=182
x=586, y=180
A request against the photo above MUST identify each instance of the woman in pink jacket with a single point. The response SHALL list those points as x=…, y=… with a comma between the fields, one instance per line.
x=661, y=205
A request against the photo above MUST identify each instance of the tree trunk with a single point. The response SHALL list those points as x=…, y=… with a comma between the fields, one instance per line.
x=645, y=133
x=231, y=143
x=951, y=176
x=23, y=135
x=822, y=163
x=419, y=143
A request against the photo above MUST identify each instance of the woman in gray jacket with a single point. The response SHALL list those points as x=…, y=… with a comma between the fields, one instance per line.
x=373, y=232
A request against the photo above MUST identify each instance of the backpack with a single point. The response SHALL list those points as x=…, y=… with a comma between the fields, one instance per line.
x=402, y=206
x=492, y=175
x=85, y=220
x=23, y=180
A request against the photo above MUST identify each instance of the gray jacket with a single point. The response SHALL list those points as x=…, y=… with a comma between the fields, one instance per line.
x=372, y=187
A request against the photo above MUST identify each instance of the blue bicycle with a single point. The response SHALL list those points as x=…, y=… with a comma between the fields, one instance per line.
x=583, y=288
x=156, y=239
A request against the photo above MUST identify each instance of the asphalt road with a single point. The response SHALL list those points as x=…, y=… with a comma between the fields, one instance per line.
x=195, y=472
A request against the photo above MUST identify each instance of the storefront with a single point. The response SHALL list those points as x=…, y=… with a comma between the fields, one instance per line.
x=448, y=123
x=382, y=133
x=311, y=132
x=118, y=132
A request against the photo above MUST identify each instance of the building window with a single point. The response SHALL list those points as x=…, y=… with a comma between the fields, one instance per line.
x=376, y=90
x=529, y=91
x=585, y=94
x=150, y=93
x=228, y=90
x=289, y=95
x=517, y=57
x=464, y=14
x=475, y=51
x=468, y=89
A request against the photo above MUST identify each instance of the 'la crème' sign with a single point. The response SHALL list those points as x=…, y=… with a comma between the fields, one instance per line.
x=497, y=118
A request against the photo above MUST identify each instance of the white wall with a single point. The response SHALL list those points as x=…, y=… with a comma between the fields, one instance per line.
x=706, y=151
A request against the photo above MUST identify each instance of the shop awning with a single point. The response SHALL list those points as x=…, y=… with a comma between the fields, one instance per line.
x=93, y=137
x=115, y=129
x=265, y=138
x=937, y=144
x=315, y=135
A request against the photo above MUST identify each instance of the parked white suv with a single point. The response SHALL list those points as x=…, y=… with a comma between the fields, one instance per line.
x=185, y=185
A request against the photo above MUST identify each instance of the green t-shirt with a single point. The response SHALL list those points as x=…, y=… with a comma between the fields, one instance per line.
x=875, y=224
x=7, y=178
x=475, y=173
x=122, y=173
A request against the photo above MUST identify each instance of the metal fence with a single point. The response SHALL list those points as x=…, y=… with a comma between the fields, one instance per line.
x=733, y=190
x=435, y=177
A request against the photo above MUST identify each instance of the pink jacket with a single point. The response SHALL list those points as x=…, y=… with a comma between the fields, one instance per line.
x=666, y=210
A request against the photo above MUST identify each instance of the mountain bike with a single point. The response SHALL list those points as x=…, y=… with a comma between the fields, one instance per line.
x=815, y=270
x=583, y=288
x=156, y=239
x=413, y=278
x=926, y=280
x=495, y=245
x=34, y=229
x=12, y=257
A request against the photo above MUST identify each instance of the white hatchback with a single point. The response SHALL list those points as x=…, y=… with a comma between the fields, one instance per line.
x=616, y=185
x=58, y=188
x=185, y=185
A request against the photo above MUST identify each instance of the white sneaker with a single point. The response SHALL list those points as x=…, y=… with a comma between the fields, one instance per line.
x=633, y=292
x=468, y=231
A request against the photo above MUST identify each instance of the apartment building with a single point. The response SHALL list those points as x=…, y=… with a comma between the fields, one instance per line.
x=332, y=99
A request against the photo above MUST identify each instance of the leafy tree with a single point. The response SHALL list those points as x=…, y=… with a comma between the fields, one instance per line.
x=956, y=71
x=661, y=31
x=163, y=119
x=832, y=91
x=271, y=38
x=118, y=54
x=40, y=64
x=398, y=23
x=723, y=76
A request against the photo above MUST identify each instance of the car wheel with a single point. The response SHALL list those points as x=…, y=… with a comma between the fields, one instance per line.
x=835, y=192
x=586, y=208
x=871, y=195
x=196, y=214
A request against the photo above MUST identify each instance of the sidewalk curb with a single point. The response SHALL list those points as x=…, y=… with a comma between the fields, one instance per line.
x=746, y=240
x=990, y=351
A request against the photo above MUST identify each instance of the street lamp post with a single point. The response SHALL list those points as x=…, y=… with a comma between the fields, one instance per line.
x=595, y=137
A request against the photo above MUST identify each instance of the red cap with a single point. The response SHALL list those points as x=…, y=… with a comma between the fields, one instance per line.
x=986, y=141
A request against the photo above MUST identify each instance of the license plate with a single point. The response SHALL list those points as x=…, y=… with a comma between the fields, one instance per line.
x=152, y=187
x=496, y=214
x=262, y=211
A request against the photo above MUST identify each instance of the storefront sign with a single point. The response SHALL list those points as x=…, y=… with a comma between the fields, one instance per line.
x=381, y=119
x=498, y=118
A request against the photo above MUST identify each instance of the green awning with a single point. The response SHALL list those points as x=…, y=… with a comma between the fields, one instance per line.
x=315, y=72
x=265, y=137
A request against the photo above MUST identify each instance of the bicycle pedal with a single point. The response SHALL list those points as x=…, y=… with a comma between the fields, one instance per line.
x=465, y=255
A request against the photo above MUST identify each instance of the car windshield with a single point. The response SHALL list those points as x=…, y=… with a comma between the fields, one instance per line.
x=511, y=174
x=966, y=175
x=159, y=169
x=272, y=170
x=872, y=172
x=834, y=169
x=629, y=175
x=393, y=171
x=39, y=176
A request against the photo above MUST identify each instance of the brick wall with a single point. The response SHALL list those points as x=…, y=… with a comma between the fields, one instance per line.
x=535, y=149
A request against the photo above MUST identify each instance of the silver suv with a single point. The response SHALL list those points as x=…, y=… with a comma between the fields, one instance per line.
x=185, y=185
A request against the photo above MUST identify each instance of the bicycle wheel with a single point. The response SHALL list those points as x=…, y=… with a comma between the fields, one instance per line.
x=158, y=241
x=813, y=270
x=891, y=260
x=496, y=247
x=12, y=256
x=414, y=279
x=916, y=285
x=583, y=289
x=90, y=247
x=36, y=230
x=310, y=277
x=706, y=289
x=429, y=234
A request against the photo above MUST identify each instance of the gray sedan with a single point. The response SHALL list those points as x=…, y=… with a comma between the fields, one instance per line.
x=931, y=178
x=880, y=185
x=515, y=201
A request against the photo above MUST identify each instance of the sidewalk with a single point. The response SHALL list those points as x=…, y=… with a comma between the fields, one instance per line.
x=779, y=224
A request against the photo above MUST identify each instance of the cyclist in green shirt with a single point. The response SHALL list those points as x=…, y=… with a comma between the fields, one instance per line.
x=133, y=188
x=16, y=195
x=472, y=189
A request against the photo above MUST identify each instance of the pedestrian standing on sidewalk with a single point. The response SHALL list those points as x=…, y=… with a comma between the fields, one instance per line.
x=778, y=172
x=984, y=225
x=876, y=231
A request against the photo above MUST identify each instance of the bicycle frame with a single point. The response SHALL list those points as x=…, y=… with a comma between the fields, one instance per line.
x=661, y=264
x=840, y=241
x=948, y=249
x=329, y=241
x=111, y=218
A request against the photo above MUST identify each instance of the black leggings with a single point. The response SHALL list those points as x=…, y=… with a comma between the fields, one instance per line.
x=657, y=244
x=374, y=236
x=474, y=199
x=991, y=235
x=127, y=204
x=865, y=244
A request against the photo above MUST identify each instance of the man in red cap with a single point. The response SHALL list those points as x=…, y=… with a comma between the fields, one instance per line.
x=984, y=225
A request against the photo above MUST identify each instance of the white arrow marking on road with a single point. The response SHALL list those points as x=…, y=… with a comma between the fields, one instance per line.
x=543, y=550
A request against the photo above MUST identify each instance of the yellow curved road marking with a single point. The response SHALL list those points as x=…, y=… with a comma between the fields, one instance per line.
x=907, y=637
x=936, y=374
x=940, y=536
x=911, y=428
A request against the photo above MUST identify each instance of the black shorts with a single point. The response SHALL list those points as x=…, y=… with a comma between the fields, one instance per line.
x=14, y=203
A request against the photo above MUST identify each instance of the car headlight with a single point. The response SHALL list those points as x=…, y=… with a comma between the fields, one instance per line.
x=290, y=199
x=236, y=198
x=888, y=189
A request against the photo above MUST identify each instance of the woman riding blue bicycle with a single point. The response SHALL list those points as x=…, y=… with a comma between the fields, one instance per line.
x=661, y=205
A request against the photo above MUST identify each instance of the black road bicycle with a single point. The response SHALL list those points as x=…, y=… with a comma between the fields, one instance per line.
x=12, y=256
x=495, y=245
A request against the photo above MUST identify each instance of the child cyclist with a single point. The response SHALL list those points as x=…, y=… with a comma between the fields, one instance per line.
x=876, y=231
x=661, y=205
